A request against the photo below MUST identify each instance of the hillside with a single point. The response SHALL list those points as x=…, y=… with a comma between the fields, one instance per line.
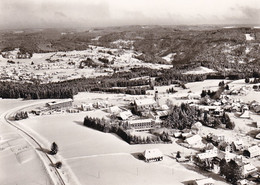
x=218, y=47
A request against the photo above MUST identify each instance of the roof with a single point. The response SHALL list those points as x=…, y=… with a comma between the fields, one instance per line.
x=243, y=182
x=205, y=181
x=193, y=139
x=249, y=168
x=114, y=109
x=125, y=114
x=196, y=125
x=152, y=153
x=208, y=154
x=254, y=149
x=162, y=113
x=245, y=115
x=257, y=136
x=61, y=101
x=165, y=107
x=139, y=121
x=147, y=101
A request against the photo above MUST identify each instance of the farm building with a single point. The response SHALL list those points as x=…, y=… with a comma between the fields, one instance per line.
x=152, y=155
x=59, y=104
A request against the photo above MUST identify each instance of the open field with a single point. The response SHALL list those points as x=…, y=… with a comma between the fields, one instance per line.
x=17, y=156
x=99, y=158
x=95, y=157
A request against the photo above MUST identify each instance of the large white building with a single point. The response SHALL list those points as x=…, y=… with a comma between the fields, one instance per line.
x=145, y=104
x=142, y=124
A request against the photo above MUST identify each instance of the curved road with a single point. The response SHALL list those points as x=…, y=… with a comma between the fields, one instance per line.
x=47, y=161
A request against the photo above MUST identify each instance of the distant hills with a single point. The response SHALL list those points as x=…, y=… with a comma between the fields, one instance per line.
x=218, y=45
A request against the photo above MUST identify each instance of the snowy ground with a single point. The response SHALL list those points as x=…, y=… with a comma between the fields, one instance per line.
x=200, y=70
x=93, y=157
x=65, y=65
x=18, y=160
x=103, y=158
x=249, y=37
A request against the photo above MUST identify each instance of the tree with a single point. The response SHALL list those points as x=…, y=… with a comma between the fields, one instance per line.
x=233, y=172
x=58, y=165
x=223, y=166
x=178, y=155
x=54, y=148
x=247, y=80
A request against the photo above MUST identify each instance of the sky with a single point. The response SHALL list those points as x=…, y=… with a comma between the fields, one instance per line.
x=15, y=14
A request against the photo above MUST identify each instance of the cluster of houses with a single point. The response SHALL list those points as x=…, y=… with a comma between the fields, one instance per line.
x=16, y=54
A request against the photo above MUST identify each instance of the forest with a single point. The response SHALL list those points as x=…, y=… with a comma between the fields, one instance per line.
x=184, y=116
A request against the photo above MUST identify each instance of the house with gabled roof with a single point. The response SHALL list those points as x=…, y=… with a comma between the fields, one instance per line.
x=152, y=155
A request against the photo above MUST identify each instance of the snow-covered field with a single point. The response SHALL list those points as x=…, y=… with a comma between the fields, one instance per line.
x=249, y=37
x=19, y=163
x=102, y=158
x=93, y=157
x=59, y=66
x=169, y=57
x=200, y=70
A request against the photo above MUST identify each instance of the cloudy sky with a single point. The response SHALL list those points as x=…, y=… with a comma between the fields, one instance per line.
x=89, y=13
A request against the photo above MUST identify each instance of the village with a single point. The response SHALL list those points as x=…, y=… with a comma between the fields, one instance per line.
x=62, y=66
x=208, y=148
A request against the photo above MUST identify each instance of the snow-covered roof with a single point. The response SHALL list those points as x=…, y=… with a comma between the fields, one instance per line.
x=205, y=181
x=254, y=149
x=246, y=114
x=152, y=153
x=208, y=154
x=125, y=114
x=193, y=139
x=58, y=102
x=147, y=101
x=197, y=125
x=115, y=109
x=162, y=113
x=139, y=121
x=165, y=107
x=249, y=168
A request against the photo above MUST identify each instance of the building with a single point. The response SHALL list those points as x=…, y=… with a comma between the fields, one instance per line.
x=114, y=110
x=195, y=141
x=142, y=124
x=86, y=107
x=59, y=104
x=248, y=169
x=152, y=155
x=125, y=114
x=145, y=104
x=252, y=151
x=208, y=154
x=206, y=181
x=245, y=115
x=238, y=145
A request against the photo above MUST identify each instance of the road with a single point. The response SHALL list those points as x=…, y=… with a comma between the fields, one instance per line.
x=48, y=161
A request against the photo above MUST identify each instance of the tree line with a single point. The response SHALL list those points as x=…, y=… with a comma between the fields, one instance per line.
x=184, y=116
x=121, y=130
